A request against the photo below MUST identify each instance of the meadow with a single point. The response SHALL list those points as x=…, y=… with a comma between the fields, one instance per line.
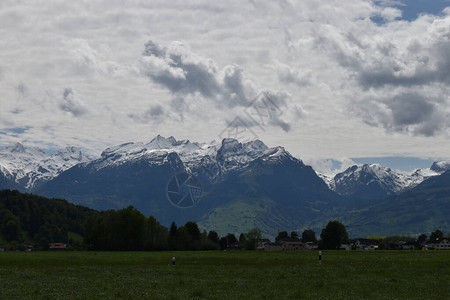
x=225, y=275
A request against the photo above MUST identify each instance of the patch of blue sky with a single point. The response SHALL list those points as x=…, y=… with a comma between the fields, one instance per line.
x=14, y=131
x=397, y=163
x=411, y=9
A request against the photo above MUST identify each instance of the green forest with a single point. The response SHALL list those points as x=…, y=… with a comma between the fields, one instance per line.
x=28, y=220
x=32, y=222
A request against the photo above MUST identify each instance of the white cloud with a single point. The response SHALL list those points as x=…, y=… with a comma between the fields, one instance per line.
x=344, y=85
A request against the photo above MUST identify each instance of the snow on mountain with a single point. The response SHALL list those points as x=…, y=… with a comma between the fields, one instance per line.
x=28, y=166
x=155, y=152
x=213, y=158
x=328, y=179
x=375, y=176
x=277, y=155
x=357, y=178
x=441, y=166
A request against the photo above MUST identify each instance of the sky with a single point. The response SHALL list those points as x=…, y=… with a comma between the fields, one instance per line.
x=331, y=81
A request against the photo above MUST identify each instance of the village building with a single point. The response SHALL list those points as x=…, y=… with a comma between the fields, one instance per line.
x=439, y=244
x=365, y=244
x=260, y=243
x=57, y=246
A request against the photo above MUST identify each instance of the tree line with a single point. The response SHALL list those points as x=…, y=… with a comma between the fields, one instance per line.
x=34, y=221
x=128, y=229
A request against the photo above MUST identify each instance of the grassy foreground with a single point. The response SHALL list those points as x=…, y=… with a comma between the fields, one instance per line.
x=225, y=275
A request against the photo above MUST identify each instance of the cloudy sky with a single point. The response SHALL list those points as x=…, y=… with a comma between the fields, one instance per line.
x=326, y=79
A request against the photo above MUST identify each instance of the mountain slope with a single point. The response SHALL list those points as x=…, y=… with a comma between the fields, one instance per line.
x=276, y=192
x=33, y=218
x=422, y=209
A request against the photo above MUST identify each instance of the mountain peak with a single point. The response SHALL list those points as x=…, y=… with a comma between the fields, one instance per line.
x=277, y=154
x=16, y=148
x=440, y=166
x=160, y=142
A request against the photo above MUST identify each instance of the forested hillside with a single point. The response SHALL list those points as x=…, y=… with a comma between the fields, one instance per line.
x=38, y=221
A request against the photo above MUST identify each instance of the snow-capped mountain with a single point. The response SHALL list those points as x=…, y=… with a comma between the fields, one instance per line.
x=215, y=159
x=30, y=166
x=250, y=177
x=441, y=166
x=375, y=181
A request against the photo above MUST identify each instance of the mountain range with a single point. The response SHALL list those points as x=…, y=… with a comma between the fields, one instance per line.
x=230, y=186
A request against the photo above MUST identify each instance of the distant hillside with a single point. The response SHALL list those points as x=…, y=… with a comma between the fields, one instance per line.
x=276, y=192
x=35, y=219
x=423, y=209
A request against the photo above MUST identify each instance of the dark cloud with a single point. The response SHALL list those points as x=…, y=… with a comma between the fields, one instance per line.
x=401, y=80
x=382, y=64
x=186, y=74
x=156, y=110
x=407, y=112
x=154, y=113
x=72, y=105
x=183, y=72
x=23, y=89
x=410, y=109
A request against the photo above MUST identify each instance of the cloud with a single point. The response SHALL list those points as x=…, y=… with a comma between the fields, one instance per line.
x=184, y=72
x=289, y=74
x=188, y=75
x=339, y=80
x=397, y=75
x=406, y=112
x=70, y=104
x=330, y=167
x=97, y=60
x=152, y=115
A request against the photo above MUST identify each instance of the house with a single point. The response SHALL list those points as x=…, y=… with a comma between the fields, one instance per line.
x=365, y=244
x=408, y=246
x=273, y=246
x=311, y=245
x=443, y=244
x=234, y=246
x=287, y=246
x=346, y=247
x=293, y=246
x=438, y=244
x=260, y=243
x=57, y=246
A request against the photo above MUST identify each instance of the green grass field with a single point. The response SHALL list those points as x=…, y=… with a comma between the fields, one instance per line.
x=225, y=275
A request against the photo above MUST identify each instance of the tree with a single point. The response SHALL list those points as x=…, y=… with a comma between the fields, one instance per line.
x=333, y=236
x=231, y=239
x=294, y=235
x=12, y=230
x=252, y=238
x=223, y=243
x=283, y=235
x=213, y=236
x=242, y=239
x=308, y=235
x=172, y=241
x=124, y=229
x=422, y=239
x=192, y=237
x=207, y=243
x=436, y=235
x=193, y=231
x=157, y=235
